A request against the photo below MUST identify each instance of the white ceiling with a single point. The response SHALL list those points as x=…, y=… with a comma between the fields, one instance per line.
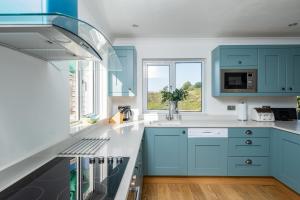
x=200, y=18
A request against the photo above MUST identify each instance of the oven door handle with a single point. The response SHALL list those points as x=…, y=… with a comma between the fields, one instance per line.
x=137, y=191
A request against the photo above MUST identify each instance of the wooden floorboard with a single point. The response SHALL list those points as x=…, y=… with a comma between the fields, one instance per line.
x=216, y=188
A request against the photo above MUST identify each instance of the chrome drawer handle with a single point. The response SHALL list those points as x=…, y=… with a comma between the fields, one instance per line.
x=248, y=162
x=248, y=132
x=248, y=142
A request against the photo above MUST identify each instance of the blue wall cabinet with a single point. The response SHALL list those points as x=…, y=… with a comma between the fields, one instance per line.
x=293, y=70
x=272, y=70
x=165, y=151
x=123, y=83
x=238, y=57
x=207, y=156
x=277, y=65
x=285, y=154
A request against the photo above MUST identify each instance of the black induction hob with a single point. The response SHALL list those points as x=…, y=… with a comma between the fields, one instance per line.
x=71, y=178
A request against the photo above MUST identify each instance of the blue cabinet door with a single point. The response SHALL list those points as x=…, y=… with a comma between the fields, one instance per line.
x=238, y=57
x=288, y=159
x=272, y=70
x=275, y=153
x=207, y=156
x=123, y=83
x=293, y=70
x=165, y=151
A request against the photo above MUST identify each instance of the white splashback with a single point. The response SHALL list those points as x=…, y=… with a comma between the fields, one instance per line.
x=33, y=106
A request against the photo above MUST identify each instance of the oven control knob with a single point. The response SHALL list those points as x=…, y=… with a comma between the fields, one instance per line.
x=110, y=160
x=101, y=160
x=132, y=183
x=119, y=160
x=92, y=160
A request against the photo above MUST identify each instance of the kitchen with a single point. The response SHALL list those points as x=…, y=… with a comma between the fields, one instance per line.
x=60, y=100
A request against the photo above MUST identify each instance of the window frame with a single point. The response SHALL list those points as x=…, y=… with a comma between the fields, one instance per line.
x=172, y=80
x=96, y=93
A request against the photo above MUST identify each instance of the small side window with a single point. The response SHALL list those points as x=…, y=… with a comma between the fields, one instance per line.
x=83, y=97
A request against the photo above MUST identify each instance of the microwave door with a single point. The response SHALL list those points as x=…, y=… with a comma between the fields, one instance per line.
x=236, y=81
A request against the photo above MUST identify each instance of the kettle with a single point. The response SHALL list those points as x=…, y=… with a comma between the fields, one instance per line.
x=126, y=112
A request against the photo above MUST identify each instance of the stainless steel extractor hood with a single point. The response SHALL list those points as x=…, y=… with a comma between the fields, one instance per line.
x=56, y=37
x=47, y=42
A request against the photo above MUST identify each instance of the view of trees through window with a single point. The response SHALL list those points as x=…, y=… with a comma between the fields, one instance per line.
x=186, y=75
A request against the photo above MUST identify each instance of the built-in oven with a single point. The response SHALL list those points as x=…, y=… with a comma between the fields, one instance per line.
x=238, y=80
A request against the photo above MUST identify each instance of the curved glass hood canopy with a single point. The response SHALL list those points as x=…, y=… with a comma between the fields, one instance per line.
x=56, y=37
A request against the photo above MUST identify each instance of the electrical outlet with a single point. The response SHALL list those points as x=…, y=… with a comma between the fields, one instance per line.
x=230, y=107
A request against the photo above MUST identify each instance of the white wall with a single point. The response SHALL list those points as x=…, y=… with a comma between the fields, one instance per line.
x=198, y=48
x=33, y=106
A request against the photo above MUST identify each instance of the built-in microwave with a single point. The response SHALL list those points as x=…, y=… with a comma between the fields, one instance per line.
x=238, y=80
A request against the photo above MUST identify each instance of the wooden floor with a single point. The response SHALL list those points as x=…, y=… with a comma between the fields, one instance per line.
x=215, y=188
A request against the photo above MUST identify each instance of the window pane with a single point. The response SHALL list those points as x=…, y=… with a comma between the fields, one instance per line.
x=74, y=93
x=158, y=79
x=189, y=77
x=87, y=88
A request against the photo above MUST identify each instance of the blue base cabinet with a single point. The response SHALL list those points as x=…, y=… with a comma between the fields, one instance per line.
x=207, y=156
x=249, y=151
x=248, y=166
x=123, y=83
x=165, y=151
x=285, y=158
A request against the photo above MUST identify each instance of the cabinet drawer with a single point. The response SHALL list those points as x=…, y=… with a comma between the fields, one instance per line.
x=239, y=57
x=249, y=147
x=249, y=132
x=248, y=166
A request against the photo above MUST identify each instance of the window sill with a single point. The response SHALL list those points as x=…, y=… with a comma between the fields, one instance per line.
x=81, y=126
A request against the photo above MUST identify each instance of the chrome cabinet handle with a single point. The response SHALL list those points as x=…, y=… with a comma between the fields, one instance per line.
x=248, y=142
x=248, y=132
x=248, y=162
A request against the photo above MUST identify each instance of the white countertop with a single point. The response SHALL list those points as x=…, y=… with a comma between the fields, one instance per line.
x=125, y=141
x=290, y=126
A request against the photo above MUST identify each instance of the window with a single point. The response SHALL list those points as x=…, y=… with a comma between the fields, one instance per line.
x=83, y=82
x=170, y=74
